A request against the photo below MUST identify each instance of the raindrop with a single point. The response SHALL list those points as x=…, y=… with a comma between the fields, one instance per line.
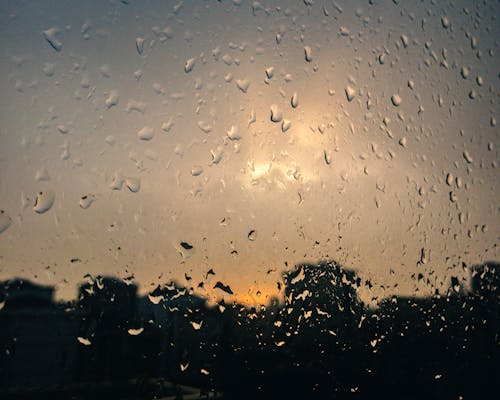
x=134, y=105
x=227, y=59
x=205, y=126
x=243, y=84
x=186, y=246
x=117, y=182
x=344, y=31
x=449, y=179
x=285, y=125
x=327, y=157
x=216, y=155
x=139, y=45
x=405, y=40
x=224, y=288
x=5, y=221
x=155, y=299
x=196, y=325
x=396, y=100
x=146, y=133
x=467, y=157
x=167, y=125
x=84, y=341
x=445, y=22
x=308, y=53
x=196, y=170
x=50, y=36
x=233, y=133
x=135, y=332
x=252, y=235
x=44, y=201
x=133, y=184
x=350, y=93
x=189, y=65
x=42, y=175
x=49, y=69
x=464, y=71
x=253, y=118
x=270, y=72
x=86, y=201
x=112, y=99
x=276, y=114
x=105, y=70
x=294, y=101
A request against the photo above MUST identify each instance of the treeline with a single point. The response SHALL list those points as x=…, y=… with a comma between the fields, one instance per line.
x=322, y=342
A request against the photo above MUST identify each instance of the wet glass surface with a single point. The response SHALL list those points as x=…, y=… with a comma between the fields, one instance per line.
x=248, y=199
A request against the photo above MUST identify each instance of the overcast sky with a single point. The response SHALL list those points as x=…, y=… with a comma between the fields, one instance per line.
x=257, y=133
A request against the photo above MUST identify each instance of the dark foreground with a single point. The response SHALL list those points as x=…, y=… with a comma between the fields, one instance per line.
x=321, y=343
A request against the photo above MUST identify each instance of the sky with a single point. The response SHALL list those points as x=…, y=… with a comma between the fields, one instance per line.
x=156, y=140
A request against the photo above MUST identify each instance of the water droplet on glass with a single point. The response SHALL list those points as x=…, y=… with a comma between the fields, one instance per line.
x=270, y=72
x=50, y=36
x=216, y=155
x=233, y=133
x=5, y=221
x=86, y=201
x=467, y=157
x=189, y=65
x=252, y=235
x=135, y=332
x=344, y=31
x=286, y=125
x=405, y=40
x=308, y=53
x=117, y=182
x=49, y=69
x=155, y=299
x=133, y=184
x=42, y=174
x=205, y=126
x=139, y=45
x=464, y=71
x=445, y=22
x=294, y=101
x=145, y=133
x=243, y=84
x=84, y=341
x=276, y=114
x=196, y=170
x=327, y=157
x=134, y=105
x=196, y=326
x=449, y=179
x=44, y=201
x=350, y=93
x=112, y=99
x=167, y=125
x=396, y=100
x=253, y=118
